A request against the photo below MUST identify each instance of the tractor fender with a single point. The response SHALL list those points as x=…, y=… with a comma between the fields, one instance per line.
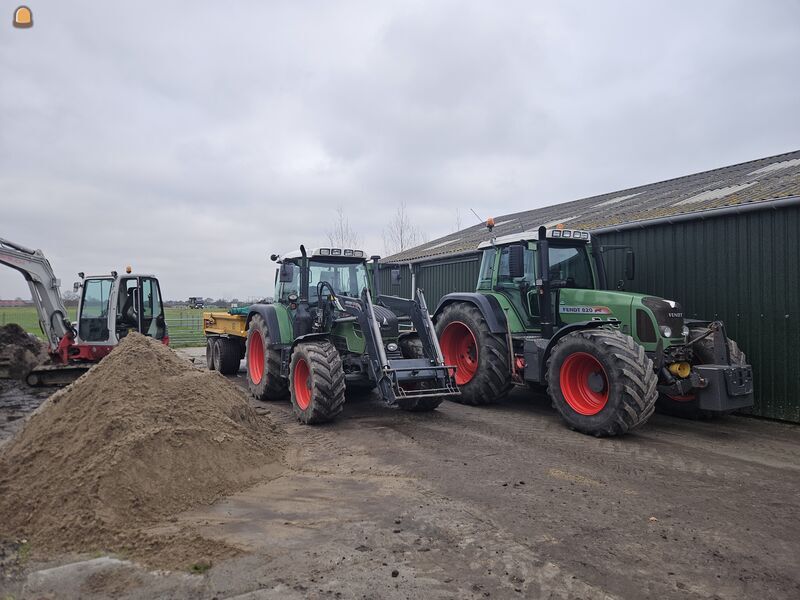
x=566, y=330
x=310, y=337
x=267, y=312
x=488, y=305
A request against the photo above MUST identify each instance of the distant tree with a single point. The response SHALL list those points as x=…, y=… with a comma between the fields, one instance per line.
x=70, y=298
x=401, y=234
x=341, y=235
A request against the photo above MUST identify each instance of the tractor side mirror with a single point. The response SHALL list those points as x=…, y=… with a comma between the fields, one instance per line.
x=76, y=286
x=395, y=276
x=287, y=272
x=516, y=261
x=630, y=264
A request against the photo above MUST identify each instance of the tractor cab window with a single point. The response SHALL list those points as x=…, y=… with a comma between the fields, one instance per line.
x=93, y=320
x=503, y=275
x=571, y=265
x=287, y=288
x=487, y=269
x=346, y=279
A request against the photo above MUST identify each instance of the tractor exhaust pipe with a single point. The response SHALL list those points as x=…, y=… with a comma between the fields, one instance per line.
x=545, y=297
x=376, y=280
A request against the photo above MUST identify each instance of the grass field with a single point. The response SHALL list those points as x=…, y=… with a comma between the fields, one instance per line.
x=185, y=325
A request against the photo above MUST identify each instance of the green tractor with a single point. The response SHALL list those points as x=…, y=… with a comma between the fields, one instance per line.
x=541, y=316
x=324, y=334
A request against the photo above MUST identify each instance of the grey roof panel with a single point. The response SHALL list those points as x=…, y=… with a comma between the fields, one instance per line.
x=760, y=180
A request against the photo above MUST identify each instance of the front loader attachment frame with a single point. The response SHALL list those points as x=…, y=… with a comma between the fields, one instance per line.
x=402, y=377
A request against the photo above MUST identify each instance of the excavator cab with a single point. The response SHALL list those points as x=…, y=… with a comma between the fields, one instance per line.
x=112, y=306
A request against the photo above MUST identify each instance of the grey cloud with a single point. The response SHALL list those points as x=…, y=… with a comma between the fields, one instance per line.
x=193, y=143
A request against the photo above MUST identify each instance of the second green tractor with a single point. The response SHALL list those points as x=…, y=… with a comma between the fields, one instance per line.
x=541, y=315
x=324, y=334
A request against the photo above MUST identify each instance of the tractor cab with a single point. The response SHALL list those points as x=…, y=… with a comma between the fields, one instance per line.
x=344, y=271
x=111, y=306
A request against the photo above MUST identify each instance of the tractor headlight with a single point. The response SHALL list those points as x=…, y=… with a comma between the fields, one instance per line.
x=391, y=347
x=685, y=331
x=666, y=331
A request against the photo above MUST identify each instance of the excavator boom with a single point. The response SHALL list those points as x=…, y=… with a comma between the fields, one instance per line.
x=44, y=286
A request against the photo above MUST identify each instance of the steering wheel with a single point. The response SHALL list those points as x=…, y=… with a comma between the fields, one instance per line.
x=327, y=306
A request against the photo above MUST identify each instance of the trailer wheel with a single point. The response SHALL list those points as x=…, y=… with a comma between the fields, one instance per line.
x=263, y=364
x=316, y=382
x=687, y=406
x=210, y=364
x=227, y=358
x=481, y=358
x=601, y=382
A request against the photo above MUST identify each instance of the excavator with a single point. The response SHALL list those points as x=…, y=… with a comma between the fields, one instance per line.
x=110, y=307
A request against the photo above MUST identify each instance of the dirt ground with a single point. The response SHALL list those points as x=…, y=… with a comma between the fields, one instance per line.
x=491, y=502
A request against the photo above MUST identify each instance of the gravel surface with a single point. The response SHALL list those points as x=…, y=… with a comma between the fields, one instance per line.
x=496, y=502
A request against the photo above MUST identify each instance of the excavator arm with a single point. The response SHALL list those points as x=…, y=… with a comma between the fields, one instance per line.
x=44, y=285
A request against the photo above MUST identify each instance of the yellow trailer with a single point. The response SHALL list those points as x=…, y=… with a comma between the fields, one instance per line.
x=226, y=336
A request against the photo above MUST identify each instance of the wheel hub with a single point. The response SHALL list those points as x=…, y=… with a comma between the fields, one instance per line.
x=584, y=383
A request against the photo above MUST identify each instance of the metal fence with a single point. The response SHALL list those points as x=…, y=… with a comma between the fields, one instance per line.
x=186, y=330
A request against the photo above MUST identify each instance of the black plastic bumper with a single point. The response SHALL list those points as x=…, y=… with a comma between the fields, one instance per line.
x=727, y=387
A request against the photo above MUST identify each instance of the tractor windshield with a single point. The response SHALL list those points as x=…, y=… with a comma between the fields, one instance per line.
x=346, y=278
x=571, y=265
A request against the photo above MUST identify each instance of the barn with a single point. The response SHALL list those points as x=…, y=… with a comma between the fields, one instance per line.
x=724, y=243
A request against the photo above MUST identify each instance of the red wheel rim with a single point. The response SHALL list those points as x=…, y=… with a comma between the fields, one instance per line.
x=584, y=383
x=460, y=350
x=255, y=357
x=302, y=384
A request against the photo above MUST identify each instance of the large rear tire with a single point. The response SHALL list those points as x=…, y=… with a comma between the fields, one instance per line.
x=263, y=364
x=601, y=382
x=316, y=382
x=687, y=407
x=481, y=358
x=227, y=359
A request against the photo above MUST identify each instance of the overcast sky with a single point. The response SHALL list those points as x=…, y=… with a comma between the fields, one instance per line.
x=193, y=143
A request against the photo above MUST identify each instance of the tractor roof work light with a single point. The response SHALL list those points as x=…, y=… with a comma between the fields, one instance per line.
x=128, y=269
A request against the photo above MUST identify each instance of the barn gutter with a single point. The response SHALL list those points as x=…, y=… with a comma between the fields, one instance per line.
x=702, y=215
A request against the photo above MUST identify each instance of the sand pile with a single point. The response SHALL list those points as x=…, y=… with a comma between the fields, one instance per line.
x=140, y=436
x=19, y=352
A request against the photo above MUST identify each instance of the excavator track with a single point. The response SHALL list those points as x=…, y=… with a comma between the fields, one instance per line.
x=55, y=375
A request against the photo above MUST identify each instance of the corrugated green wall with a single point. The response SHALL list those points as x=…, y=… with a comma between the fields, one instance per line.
x=443, y=277
x=459, y=274
x=742, y=269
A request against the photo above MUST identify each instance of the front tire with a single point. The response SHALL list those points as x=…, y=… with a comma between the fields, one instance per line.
x=481, y=358
x=601, y=382
x=263, y=364
x=316, y=382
